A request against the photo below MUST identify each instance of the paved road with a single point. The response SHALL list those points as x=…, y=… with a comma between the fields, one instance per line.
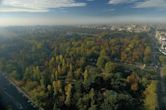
x=161, y=81
x=162, y=91
x=11, y=96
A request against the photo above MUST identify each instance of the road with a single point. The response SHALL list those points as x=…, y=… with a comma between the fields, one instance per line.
x=161, y=91
x=11, y=96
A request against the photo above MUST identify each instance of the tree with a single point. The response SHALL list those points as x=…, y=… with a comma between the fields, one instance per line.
x=150, y=101
x=55, y=107
x=49, y=88
x=110, y=67
x=133, y=80
x=57, y=86
x=36, y=73
x=92, y=96
x=147, y=55
x=68, y=92
x=86, y=76
x=27, y=74
x=101, y=61
x=103, y=52
x=93, y=107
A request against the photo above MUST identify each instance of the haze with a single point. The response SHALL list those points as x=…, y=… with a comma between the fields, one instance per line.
x=52, y=12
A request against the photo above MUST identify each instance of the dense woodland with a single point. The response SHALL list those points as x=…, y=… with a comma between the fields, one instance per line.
x=71, y=71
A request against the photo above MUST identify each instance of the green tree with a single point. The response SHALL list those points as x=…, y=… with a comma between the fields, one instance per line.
x=110, y=67
x=68, y=92
x=101, y=61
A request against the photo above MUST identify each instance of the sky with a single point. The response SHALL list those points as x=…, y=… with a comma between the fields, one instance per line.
x=64, y=12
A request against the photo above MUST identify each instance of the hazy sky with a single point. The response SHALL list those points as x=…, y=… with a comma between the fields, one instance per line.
x=34, y=12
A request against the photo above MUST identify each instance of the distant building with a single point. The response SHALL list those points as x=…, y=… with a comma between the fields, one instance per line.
x=161, y=36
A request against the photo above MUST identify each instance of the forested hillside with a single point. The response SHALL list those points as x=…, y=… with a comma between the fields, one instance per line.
x=106, y=71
